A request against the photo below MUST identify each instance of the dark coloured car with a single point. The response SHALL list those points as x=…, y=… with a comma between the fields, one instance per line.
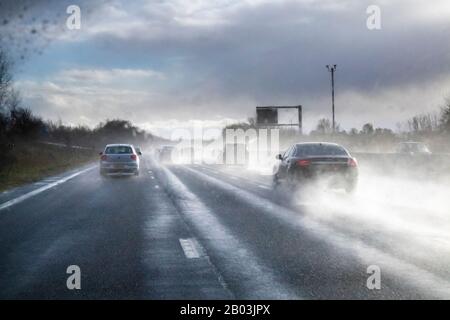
x=305, y=162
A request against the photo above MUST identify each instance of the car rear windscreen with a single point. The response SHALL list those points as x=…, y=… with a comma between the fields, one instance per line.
x=320, y=150
x=119, y=150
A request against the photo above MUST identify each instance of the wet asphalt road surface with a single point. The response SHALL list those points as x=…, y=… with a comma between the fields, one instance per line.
x=203, y=232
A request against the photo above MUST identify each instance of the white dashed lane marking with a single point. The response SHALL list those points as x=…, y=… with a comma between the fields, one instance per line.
x=189, y=247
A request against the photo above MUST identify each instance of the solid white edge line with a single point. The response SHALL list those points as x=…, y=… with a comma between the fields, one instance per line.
x=42, y=189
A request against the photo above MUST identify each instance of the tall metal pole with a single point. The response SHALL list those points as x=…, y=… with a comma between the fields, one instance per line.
x=332, y=69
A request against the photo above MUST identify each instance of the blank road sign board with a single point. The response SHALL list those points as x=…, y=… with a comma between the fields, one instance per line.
x=279, y=116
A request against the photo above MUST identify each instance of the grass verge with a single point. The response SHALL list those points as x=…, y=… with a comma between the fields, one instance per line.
x=31, y=162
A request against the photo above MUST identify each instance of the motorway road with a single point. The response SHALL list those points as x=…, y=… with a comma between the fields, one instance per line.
x=207, y=232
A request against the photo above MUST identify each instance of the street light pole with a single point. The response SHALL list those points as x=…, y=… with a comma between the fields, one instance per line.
x=332, y=69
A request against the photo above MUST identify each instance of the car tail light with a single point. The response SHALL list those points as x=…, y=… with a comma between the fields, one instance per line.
x=303, y=163
x=352, y=162
x=133, y=157
x=103, y=157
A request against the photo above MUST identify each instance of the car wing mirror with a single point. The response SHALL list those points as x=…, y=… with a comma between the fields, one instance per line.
x=100, y=153
x=279, y=157
x=140, y=153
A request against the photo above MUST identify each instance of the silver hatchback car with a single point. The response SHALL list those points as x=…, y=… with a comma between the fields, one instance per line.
x=119, y=159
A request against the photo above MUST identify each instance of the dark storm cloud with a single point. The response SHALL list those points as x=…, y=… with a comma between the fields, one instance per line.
x=217, y=59
x=275, y=50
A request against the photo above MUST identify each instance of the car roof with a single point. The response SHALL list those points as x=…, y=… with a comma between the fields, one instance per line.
x=317, y=143
x=119, y=145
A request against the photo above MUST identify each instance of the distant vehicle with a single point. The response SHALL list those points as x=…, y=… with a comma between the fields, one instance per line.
x=119, y=159
x=412, y=148
x=165, y=154
x=305, y=162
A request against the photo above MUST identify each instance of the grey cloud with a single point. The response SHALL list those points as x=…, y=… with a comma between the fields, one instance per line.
x=276, y=52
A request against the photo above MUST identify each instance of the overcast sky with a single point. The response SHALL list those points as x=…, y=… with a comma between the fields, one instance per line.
x=164, y=64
